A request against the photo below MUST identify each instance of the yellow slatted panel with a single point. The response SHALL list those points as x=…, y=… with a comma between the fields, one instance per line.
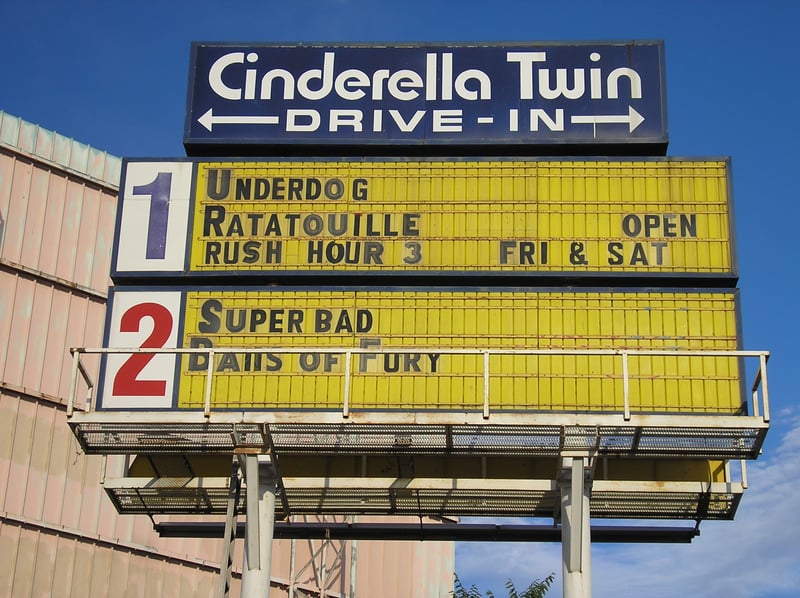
x=616, y=217
x=435, y=319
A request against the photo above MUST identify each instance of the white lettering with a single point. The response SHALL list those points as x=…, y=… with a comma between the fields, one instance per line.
x=250, y=78
x=595, y=78
x=526, y=60
x=270, y=76
x=430, y=76
x=613, y=83
x=345, y=118
x=484, y=91
x=350, y=84
x=561, y=84
x=533, y=79
x=351, y=78
x=401, y=81
x=440, y=80
x=378, y=79
x=554, y=124
x=447, y=76
x=325, y=75
x=406, y=127
x=215, y=76
x=447, y=121
x=311, y=117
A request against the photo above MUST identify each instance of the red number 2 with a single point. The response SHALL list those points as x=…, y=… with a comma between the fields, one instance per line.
x=126, y=382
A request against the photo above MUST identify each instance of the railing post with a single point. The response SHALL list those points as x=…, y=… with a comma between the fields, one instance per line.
x=347, y=371
x=87, y=405
x=73, y=382
x=754, y=394
x=764, y=388
x=486, y=385
x=207, y=398
x=626, y=387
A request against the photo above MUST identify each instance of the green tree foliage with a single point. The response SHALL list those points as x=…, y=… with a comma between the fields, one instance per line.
x=537, y=589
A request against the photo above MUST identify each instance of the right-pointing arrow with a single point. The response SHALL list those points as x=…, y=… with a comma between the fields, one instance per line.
x=633, y=119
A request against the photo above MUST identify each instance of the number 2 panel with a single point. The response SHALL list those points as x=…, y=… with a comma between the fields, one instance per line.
x=148, y=321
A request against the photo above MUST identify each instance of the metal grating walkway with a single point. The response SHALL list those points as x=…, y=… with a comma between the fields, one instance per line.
x=712, y=437
x=438, y=498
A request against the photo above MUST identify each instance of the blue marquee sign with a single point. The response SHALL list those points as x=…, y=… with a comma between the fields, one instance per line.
x=251, y=96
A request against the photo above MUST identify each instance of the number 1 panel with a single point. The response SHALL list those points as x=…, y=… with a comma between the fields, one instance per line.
x=154, y=206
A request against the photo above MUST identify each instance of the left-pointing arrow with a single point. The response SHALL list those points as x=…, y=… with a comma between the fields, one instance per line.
x=633, y=119
x=208, y=120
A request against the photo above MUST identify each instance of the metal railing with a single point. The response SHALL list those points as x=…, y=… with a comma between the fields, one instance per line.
x=758, y=389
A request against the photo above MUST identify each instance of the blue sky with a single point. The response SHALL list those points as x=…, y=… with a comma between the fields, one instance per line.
x=114, y=75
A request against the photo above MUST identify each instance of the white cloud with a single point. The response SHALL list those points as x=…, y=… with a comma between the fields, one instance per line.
x=754, y=555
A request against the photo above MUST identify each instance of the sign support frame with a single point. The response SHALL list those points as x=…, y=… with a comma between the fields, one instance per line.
x=259, y=525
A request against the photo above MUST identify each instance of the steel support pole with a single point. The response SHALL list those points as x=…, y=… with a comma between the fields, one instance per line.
x=259, y=527
x=575, y=529
x=226, y=562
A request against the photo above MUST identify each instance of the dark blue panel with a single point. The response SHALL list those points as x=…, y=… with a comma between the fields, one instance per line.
x=597, y=94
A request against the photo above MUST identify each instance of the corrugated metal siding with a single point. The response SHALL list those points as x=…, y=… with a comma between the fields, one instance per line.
x=62, y=152
x=50, y=481
x=412, y=568
x=70, y=566
x=59, y=534
x=39, y=322
x=397, y=569
x=54, y=223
